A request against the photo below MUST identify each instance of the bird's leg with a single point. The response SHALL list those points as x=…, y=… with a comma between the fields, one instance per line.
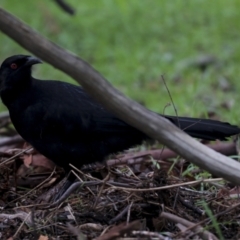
x=69, y=180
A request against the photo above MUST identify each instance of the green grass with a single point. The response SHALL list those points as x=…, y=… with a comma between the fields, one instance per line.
x=132, y=43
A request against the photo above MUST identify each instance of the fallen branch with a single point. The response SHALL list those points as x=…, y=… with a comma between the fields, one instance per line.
x=227, y=149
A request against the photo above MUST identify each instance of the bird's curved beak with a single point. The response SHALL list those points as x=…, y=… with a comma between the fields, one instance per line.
x=32, y=60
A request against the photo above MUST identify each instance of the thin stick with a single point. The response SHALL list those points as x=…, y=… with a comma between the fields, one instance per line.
x=166, y=187
x=20, y=227
x=170, y=96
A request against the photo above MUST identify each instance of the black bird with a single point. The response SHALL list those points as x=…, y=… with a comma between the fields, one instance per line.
x=67, y=126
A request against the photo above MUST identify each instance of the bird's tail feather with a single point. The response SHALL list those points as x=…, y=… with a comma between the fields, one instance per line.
x=207, y=129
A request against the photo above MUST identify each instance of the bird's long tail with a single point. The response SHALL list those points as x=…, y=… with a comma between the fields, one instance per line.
x=205, y=128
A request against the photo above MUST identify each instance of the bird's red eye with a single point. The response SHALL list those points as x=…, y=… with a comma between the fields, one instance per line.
x=14, y=66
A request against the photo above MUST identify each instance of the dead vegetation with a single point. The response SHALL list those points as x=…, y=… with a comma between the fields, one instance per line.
x=147, y=193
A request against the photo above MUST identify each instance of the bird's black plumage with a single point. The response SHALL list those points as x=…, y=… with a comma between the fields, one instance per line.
x=66, y=125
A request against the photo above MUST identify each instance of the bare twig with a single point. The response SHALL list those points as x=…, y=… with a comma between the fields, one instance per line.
x=20, y=227
x=169, y=94
x=16, y=155
x=207, y=219
x=203, y=233
x=120, y=230
x=101, y=189
x=166, y=187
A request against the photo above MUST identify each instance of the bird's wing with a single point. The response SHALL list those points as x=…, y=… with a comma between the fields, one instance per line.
x=77, y=113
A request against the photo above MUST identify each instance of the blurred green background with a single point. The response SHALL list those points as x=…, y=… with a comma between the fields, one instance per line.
x=134, y=42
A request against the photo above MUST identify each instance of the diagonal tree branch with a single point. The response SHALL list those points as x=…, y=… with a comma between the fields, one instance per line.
x=133, y=113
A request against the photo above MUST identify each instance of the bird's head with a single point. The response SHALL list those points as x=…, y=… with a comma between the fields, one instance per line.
x=16, y=71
